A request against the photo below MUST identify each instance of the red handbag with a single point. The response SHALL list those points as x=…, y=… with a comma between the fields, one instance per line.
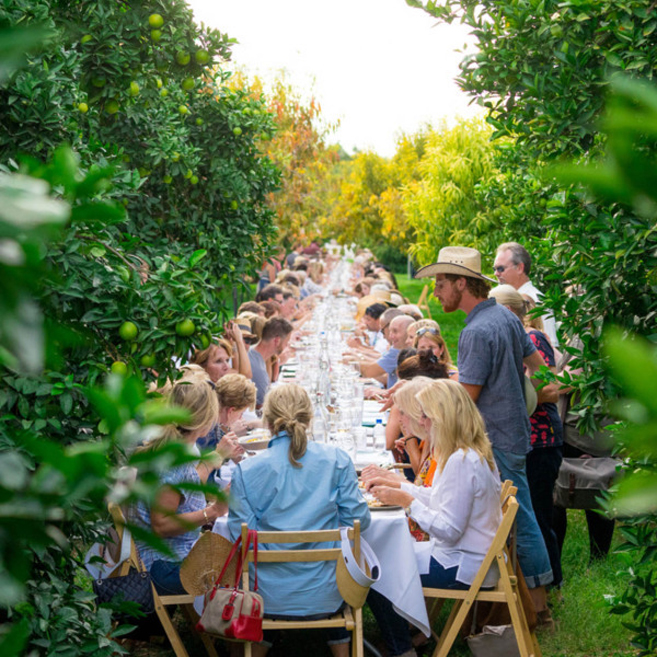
x=231, y=612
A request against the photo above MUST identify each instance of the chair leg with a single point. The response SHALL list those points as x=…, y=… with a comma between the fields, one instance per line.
x=357, y=649
x=516, y=611
x=171, y=632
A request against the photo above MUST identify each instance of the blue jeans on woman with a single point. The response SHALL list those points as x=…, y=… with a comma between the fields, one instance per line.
x=393, y=627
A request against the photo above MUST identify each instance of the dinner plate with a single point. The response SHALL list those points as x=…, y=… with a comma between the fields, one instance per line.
x=255, y=440
x=386, y=507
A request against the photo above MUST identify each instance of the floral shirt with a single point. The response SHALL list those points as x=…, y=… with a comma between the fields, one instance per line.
x=547, y=430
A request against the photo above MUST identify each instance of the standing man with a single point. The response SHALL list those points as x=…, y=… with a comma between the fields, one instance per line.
x=275, y=337
x=512, y=266
x=493, y=350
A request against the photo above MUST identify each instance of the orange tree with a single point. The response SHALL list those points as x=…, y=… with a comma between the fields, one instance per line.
x=165, y=187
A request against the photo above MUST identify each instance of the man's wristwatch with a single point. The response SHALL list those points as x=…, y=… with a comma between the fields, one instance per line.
x=407, y=510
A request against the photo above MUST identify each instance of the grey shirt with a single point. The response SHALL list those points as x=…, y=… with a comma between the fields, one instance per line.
x=492, y=347
x=259, y=375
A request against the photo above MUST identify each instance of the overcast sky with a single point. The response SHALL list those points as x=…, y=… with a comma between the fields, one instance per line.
x=377, y=66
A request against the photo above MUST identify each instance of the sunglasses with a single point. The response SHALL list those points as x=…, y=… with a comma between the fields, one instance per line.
x=500, y=268
x=427, y=329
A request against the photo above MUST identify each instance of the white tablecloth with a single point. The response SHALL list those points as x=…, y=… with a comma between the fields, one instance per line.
x=389, y=537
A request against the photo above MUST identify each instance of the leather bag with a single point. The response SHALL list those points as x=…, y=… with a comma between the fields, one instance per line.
x=133, y=587
x=232, y=613
x=581, y=480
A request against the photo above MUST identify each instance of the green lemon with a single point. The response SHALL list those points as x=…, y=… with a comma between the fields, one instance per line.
x=167, y=180
x=188, y=84
x=98, y=82
x=156, y=35
x=202, y=57
x=199, y=121
x=237, y=131
x=183, y=109
x=194, y=180
x=164, y=93
x=234, y=205
x=86, y=38
x=83, y=107
x=205, y=341
x=119, y=367
x=183, y=58
x=159, y=83
x=128, y=331
x=188, y=174
x=148, y=360
x=111, y=107
x=134, y=89
x=155, y=21
x=185, y=328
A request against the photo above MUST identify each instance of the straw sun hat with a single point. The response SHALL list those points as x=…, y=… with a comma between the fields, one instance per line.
x=459, y=260
x=201, y=567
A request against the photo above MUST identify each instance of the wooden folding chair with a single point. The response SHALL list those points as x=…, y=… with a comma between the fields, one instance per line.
x=351, y=619
x=506, y=590
x=423, y=301
x=185, y=602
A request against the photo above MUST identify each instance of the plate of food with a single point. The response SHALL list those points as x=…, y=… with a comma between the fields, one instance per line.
x=376, y=505
x=255, y=440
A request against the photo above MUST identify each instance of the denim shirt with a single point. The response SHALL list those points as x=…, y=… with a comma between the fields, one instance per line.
x=269, y=494
x=492, y=347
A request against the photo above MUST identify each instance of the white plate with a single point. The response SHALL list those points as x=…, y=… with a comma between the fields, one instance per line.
x=255, y=440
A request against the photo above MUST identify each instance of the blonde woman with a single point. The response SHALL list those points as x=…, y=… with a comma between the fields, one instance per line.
x=177, y=515
x=461, y=511
x=296, y=484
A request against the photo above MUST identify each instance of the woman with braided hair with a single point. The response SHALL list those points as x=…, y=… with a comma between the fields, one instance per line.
x=296, y=485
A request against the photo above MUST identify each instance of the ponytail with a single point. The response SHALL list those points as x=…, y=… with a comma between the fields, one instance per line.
x=288, y=408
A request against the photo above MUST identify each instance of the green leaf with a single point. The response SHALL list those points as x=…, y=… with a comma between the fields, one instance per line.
x=633, y=364
x=197, y=256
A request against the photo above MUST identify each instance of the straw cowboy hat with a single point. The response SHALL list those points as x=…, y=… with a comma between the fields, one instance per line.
x=201, y=567
x=459, y=260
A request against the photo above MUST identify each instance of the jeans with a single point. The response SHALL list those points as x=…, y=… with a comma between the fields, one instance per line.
x=166, y=577
x=532, y=553
x=542, y=469
x=394, y=628
x=440, y=577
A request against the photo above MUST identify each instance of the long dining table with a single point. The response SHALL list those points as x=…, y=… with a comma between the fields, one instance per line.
x=388, y=534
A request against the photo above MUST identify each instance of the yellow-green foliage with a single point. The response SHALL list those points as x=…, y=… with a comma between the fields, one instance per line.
x=441, y=206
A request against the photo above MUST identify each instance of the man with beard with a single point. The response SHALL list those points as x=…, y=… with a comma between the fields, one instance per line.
x=493, y=352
